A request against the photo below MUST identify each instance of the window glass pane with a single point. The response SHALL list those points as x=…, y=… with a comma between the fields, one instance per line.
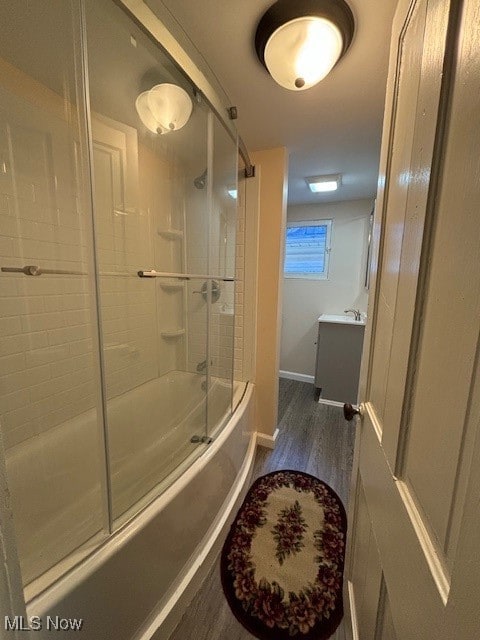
x=306, y=249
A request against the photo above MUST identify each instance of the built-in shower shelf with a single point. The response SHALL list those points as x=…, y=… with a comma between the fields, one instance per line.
x=171, y=234
x=172, y=286
x=175, y=333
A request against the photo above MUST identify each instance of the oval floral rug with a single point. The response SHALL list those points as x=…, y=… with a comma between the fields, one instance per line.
x=282, y=562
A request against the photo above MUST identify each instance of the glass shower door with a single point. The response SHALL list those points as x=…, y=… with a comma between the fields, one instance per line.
x=150, y=210
x=221, y=263
x=50, y=405
x=117, y=256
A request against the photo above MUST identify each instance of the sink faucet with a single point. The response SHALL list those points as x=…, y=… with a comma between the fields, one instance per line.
x=356, y=312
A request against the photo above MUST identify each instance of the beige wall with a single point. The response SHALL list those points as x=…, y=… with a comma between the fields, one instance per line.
x=305, y=300
x=272, y=166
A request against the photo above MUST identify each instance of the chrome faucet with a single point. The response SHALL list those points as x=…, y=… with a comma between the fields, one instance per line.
x=356, y=312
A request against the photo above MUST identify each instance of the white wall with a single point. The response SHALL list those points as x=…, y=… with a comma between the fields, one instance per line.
x=271, y=169
x=305, y=300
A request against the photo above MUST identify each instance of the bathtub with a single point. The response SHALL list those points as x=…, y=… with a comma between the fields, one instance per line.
x=55, y=480
x=134, y=584
x=145, y=457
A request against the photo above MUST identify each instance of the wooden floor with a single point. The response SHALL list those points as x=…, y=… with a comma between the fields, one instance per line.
x=313, y=438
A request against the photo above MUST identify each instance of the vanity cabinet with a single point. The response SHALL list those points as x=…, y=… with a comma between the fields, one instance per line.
x=339, y=353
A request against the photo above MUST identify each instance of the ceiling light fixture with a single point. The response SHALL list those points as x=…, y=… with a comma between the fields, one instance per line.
x=323, y=184
x=165, y=107
x=300, y=41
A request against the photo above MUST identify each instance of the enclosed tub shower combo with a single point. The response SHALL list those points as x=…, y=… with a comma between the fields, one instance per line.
x=124, y=400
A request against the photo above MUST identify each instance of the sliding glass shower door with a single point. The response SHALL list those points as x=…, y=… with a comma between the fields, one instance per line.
x=150, y=208
x=118, y=215
x=50, y=401
x=221, y=264
x=165, y=208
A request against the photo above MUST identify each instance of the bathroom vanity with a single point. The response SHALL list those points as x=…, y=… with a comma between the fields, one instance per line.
x=339, y=353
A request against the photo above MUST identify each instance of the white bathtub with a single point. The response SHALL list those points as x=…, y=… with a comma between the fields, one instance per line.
x=130, y=583
x=55, y=478
x=150, y=431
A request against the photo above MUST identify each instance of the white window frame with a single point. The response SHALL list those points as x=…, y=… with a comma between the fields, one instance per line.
x=328, y=248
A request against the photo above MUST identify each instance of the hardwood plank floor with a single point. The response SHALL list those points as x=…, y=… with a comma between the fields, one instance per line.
x=313, y=438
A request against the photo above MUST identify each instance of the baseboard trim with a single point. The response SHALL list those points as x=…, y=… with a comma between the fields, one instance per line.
x=353, y=612
x=267, y=441
x=331, y=403
x=300, y=377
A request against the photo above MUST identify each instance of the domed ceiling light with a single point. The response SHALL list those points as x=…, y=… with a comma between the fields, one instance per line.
x=300, y=41
x=165, y=107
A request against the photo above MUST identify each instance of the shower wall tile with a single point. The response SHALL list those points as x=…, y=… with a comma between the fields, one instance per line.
x=42, y=319
x=48, y=367
x=48, y=347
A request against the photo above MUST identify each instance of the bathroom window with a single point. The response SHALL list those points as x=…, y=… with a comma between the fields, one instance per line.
x=307, y=249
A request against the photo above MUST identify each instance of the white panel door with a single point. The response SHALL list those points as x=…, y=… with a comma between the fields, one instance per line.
x=414, y=555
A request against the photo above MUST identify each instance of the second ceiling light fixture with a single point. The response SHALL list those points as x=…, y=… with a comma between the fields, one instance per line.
x=300, y=41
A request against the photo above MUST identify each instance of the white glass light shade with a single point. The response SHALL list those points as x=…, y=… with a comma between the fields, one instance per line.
x=302, y=52
x=166, y=107
x=143, y=110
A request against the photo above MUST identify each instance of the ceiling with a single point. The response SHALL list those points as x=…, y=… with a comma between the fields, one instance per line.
x=334, y=127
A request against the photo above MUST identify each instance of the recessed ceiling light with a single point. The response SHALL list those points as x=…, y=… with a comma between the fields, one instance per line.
x=322, y=184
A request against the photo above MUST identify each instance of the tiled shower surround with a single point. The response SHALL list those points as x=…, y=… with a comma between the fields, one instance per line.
x=48, y=366
x=49, y=372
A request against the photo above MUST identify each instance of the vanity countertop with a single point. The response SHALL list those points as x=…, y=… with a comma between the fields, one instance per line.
x=341, y=319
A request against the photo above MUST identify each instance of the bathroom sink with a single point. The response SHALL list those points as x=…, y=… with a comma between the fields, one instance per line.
x=341, y=319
